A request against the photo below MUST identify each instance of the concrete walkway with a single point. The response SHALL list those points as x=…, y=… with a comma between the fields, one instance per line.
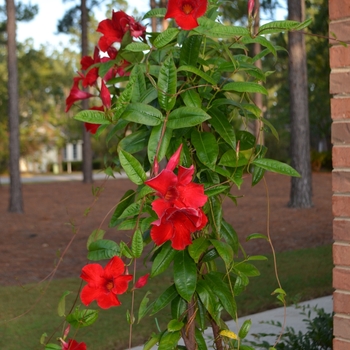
x=294, y=319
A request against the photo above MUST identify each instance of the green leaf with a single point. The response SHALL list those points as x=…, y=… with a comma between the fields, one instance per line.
x=95, y=236
x=257, y=257
x=104, y=67
x=207, y=149
x=175, y=325
x=82, y=318
x=243, y=332
x=132, y=168
x=165, y=37
x=132, y=210
x=178, y=307
x=223, y=291
x=163, y=259
x=190, y=50
x=137, y=47
x=103, y=249
x=94, y=117
x=242, y=86
x=149, y=95
x=143, y=308
x=225, y=31
x=53, y=347
x=230, y=236
x=197, y=248
x=125, y=250
x=139, y=86
x=124, y=202
x=61, y=309
x=164, y=299
x=198, y=72
x=168, y=341
x=191, y=98
x=215, y=213
x=230, y=159
x=142, y=114
x=281, y=26
x=256, y=236
x=157, y=136
x=258, y=173
x=223, y=127
x=184, y=117
x=224, y=250
x=213, y=191
x=134, y=142
x=152, y=342
x=137, y=243
x=247, y=269
x=158, y=12
x=276, y=166
x=185, y=274
x=208, y=297
x=167, y=81
x=124, y=99
x=246, y=140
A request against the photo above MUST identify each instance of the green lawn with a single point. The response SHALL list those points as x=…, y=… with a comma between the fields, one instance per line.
x=304, y=274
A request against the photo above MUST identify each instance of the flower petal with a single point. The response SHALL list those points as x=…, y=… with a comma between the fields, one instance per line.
x=121, y=284
x=162, y=233
x=162, y=182
x=174, y=159
x=89, y=294
x=114, y=268
x=107, y=300
x=93, y=275
x=160, y=206
x=192, y=195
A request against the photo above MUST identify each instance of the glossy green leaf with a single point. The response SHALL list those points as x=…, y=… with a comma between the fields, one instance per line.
x=139, y=86
x=82, y=318
x=142, y=114
x=164, y=299
x=262, y=41
x=230, y=159
x=208, y=298
x=242, y=86
x=214, y=190
x=52, y=346
x=215, y=213
x=223, y=291
x=95, y=236
x=137, y=243
x=137, y=47
x=167, y=81
x=191, y=98
x=61, y=308
x=169, y=340
x=243, y=332
x=256, y=236
x=149, y=95
x=256, y=257
x=230, y=236
x=104, y=67
x=198, y=72
x=124, y=202
x=157, y=12
x=163, y=259
x=223, y=127
x=225, y=31
x=224, y=250
x=135, y=142
x=132, y=168
x=190, y=50
x=184, y=117
x=247, y=269
x=175, y=325
x=123, y=100
x=143, y=308
x=276, y=167
x=185, y=274
x=165, y=37
x=103, y=249
x=281, y=26
x=178, y=307
x=246, y=140
x=132, y=210
x=94, y=117
x=198, y=247
x=157, y=135
x=207, y=149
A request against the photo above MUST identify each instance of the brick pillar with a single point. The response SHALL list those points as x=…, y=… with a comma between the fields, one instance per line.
x=339, y=13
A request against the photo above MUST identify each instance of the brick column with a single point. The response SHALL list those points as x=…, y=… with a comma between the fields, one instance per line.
x=339, y=13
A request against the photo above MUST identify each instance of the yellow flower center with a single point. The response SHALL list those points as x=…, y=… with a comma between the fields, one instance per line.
x=187, y=8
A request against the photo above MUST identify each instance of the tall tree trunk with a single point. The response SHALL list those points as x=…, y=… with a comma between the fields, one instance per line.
x=301, y=188
x=153, y=5
x=258, y=100
x=16, y=200
x=87, y=150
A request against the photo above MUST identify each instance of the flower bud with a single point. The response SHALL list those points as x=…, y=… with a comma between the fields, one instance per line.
x=250, y=7
x=142, y=281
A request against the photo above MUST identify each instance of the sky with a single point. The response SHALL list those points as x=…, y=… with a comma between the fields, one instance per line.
x=44, y=26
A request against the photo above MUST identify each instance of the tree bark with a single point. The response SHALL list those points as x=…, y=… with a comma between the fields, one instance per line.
x=153, y=5
x=87, y=150
x=16, y=200
x=301, y=188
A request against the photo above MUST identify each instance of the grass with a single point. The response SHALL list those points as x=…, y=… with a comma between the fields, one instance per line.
x=304, y=274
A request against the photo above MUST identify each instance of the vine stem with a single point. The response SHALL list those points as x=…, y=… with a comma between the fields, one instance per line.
x=188, y=332
x=216, y=334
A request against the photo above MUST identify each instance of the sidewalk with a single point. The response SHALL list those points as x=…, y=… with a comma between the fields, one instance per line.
x=294, y=320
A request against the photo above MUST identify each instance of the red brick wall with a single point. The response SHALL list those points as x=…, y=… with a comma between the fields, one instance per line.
x=339, y=13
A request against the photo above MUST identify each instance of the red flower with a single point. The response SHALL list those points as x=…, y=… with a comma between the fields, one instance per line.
x=186, y=12
x=76, y=94
x=92, y=74
x=114, y=29
x=104, y=283
x=250, y=7
x=178, y=207
x=105, y=95
x=141, y=282
x=73, y=345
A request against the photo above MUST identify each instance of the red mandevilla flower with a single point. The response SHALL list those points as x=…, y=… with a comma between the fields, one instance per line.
x=73, y=345
x=76, y=94
x=186, y=12
x=114, y=29
x=178, y=207
x=104, y=284
x=141, y=282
